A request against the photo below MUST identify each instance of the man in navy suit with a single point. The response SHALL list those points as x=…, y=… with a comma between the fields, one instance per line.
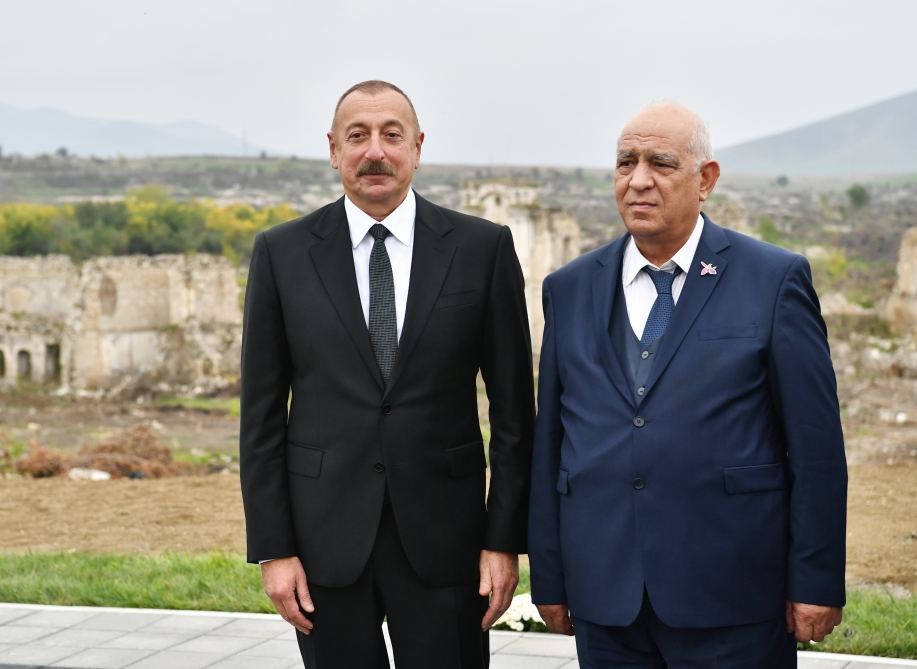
x=688, y=502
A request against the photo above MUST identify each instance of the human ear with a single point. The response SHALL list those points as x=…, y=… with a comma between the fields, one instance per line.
x=709, y=173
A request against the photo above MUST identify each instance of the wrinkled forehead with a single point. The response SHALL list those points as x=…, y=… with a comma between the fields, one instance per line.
x=657, y=129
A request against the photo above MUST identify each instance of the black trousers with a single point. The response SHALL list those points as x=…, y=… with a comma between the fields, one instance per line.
x=429, y=627
x=650, y=643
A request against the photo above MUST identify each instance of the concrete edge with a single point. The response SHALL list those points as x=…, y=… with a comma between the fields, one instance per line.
x=165, y=612
x=813, y=655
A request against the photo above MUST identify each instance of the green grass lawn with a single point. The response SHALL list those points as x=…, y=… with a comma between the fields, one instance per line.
x=875, y=621
x=208, y=581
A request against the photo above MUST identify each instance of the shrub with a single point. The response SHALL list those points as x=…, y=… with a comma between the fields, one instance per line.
x=133, y=453
x=40, y=462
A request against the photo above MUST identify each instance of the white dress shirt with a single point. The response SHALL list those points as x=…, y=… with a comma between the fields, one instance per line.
x=639, y=289
x=399, y=245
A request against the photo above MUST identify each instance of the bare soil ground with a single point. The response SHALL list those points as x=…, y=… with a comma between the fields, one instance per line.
x=202, y=513
x=68, y=423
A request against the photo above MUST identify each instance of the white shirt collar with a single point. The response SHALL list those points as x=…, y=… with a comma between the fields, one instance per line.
x=400, y=222
x=634, y=261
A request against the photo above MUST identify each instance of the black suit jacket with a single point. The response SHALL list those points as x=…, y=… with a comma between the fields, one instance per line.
x=314, y=470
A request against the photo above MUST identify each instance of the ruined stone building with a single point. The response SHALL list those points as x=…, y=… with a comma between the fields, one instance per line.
x=545, y=237
x=117, y=321
x=175, y=321
x=902, y=304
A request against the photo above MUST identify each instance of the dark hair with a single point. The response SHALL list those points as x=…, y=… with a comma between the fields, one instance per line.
x=374, y=87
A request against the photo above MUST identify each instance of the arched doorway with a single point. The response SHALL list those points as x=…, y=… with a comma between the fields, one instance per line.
x=24, y=365
x=52, y=363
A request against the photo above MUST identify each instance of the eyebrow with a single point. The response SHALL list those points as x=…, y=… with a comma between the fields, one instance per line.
x=667, y=158
x=362, y=125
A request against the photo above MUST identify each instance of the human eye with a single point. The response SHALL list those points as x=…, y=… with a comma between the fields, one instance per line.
x=356, y=136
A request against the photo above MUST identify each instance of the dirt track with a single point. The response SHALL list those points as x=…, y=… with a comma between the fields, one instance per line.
x=204, y=513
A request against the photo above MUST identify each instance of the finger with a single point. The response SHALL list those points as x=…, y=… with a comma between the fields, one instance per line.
x=804, y=633
x=486, y=584
x=282, y=610
x=490, y=617
x=502, y=595
x=823, y=629
x=790, y=619
x=295, y=616
x=304, y=596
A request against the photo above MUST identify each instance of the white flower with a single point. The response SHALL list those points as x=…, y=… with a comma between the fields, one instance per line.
x=521, y=610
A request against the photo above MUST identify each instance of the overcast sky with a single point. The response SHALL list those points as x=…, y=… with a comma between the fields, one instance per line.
x=494, y=81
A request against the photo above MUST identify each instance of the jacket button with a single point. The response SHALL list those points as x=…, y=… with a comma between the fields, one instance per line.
x=644, y=355
x=379, y=467
x=386, y=409
x=641, y=390
x=639, y=422
x=639, y=484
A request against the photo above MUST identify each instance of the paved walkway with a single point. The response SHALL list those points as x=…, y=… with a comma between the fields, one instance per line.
x=34, y=636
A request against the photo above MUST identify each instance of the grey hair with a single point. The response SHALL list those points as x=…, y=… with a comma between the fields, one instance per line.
x=699, y=143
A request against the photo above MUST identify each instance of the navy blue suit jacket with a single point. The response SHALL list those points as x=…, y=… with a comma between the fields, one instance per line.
x=737, y=445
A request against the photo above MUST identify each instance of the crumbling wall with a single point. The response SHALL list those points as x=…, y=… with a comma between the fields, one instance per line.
x=36, y=297
x=121, y=322
x=902, y=304
x=545, y=238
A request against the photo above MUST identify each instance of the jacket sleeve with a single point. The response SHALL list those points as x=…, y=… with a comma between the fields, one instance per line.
x=544, y=518
x=506, y=368
x=806, y=399
x=266, y=374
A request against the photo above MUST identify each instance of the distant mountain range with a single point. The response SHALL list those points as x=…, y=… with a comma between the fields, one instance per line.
x=878, y=139
x=35, y=131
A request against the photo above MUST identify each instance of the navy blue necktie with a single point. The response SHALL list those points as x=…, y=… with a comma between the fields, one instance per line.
x=383, y=326
x=663, y=307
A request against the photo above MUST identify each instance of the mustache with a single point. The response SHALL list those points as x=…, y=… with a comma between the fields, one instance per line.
x=375, y=167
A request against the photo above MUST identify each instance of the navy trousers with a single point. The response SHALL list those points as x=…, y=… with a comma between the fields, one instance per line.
x=650, y=643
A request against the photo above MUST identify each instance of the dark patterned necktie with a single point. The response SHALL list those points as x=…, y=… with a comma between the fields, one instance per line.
x=383, y=327
x=661, y=313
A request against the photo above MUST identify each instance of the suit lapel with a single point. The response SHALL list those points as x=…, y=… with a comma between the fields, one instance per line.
x=697, y=290
x=333, y=259
x=604, y=288
x=430, y=262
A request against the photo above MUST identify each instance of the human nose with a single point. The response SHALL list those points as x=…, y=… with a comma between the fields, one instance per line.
x=642, y=177
x=374, y=150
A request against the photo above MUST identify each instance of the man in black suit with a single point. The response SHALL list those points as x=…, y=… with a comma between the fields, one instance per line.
x=363, y=468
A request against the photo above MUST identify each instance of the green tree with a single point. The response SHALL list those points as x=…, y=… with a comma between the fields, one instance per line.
x=858, y=196
x=25, y=230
